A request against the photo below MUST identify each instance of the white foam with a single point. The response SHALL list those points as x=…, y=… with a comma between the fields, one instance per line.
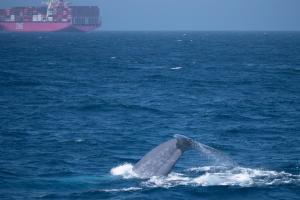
x=124, y=170
x=212, y=176
x=214, y=179
x=240, y=176
x=122, y=189
x=206, y=168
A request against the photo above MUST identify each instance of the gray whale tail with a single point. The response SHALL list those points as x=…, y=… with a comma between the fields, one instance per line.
x=160, y=160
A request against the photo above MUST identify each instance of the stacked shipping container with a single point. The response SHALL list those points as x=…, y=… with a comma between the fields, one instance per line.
x=85, y=15
x=34, y=14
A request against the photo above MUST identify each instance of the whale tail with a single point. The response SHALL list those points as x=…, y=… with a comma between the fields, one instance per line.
x=160, y=160
x=184, y=143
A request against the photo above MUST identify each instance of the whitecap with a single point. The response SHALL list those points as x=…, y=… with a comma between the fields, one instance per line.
x=122, y=189
x=176, y=68
x=79, y=140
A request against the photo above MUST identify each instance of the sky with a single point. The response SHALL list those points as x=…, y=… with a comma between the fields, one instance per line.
x=191, y=15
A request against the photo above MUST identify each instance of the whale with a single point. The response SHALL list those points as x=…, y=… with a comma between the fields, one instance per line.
x=161, y=160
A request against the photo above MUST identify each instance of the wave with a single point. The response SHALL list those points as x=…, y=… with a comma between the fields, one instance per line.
x=211, y=176
x=108, y=106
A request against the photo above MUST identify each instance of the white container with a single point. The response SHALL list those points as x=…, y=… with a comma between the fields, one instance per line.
x=12, y=18
x=39, y=17
x=34, y=18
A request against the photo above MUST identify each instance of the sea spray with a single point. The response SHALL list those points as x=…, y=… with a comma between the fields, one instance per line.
x=217, y=157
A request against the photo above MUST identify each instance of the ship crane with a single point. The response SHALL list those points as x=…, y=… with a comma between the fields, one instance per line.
x=50, y=6
x=50, y=10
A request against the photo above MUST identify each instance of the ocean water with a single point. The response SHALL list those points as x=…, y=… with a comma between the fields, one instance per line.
x=78, y=110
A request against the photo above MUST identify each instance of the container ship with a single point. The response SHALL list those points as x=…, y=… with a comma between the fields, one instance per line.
x=53, y=16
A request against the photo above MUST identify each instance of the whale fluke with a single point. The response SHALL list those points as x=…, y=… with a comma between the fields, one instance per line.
x=160, y=160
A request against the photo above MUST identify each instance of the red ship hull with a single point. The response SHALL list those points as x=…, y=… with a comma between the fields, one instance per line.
x=45, y=27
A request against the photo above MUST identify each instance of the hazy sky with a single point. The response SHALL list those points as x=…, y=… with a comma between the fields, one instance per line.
x=192, y=14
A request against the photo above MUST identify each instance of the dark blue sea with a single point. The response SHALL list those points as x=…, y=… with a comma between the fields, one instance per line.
x=77, y=111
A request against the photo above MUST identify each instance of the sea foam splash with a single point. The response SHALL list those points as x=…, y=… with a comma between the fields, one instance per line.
x=124, y=170
x=241, y=176
x=212, y=176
